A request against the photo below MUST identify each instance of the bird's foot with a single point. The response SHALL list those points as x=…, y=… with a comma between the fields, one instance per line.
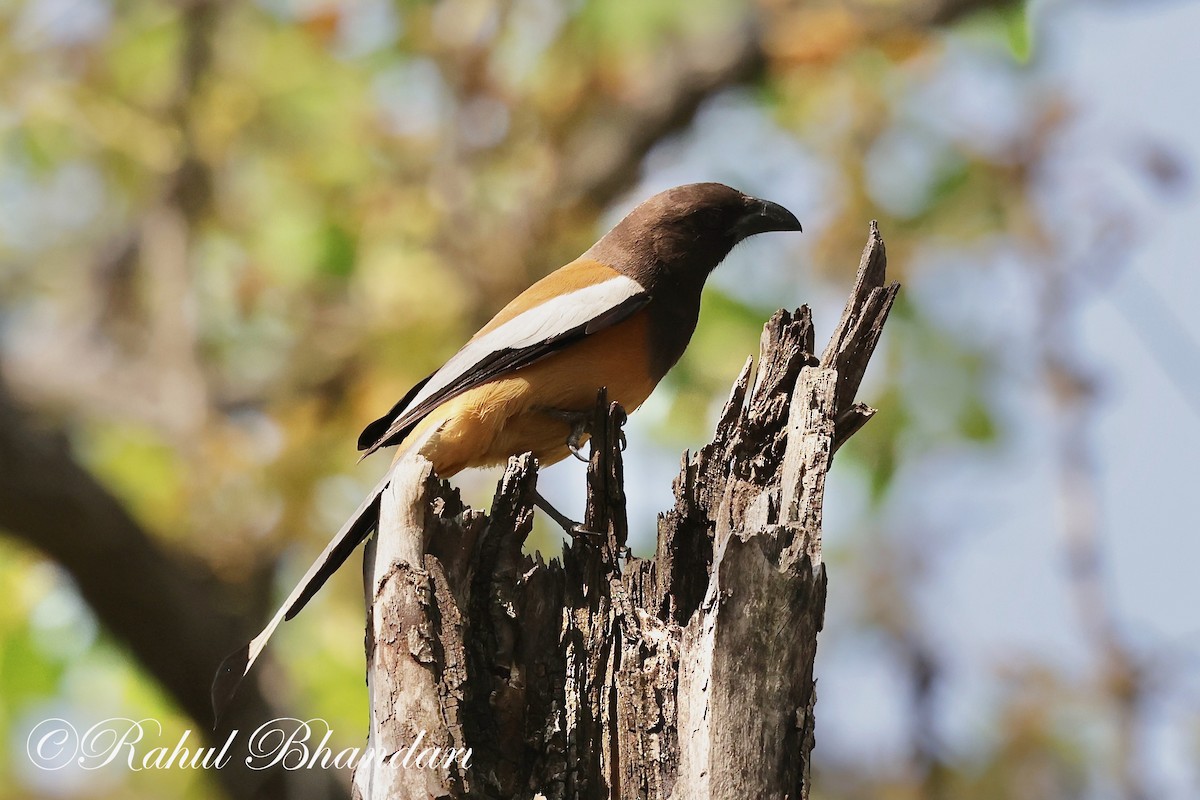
x=581, y=423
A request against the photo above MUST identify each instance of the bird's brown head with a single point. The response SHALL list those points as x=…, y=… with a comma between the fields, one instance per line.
x=682, y=234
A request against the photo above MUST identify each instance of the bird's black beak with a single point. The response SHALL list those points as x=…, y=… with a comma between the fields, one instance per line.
x=764, y=216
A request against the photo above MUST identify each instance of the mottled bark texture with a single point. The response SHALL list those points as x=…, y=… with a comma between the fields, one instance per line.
x=688, y=675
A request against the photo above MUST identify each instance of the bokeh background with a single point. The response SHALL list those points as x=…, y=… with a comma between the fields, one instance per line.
x=234, y=231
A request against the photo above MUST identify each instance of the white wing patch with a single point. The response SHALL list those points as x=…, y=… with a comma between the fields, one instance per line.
x=538, y=324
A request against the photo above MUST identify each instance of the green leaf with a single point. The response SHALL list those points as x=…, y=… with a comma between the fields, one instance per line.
x=1009, y=24
x=976, y=422
x=1019, y=31
x=339, y=250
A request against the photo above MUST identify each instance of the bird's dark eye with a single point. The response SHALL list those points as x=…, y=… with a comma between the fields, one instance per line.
x=704, y=219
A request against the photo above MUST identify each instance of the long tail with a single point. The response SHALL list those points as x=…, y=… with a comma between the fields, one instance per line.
x=360, y=524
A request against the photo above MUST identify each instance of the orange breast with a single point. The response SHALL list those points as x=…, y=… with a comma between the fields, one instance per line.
x=508, y=416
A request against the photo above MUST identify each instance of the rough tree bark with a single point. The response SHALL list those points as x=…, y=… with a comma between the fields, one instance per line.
x=688, y=675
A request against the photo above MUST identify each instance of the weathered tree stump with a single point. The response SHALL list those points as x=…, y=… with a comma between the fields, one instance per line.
x=688, y=675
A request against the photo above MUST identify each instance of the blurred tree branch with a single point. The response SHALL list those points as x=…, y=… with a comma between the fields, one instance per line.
x=603, y=154
x=174, y=616
x=1123, y=679
x=601, y=145
x=142, y=285
x=944, y=12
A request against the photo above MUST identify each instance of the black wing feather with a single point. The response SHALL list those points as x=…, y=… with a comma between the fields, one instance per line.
x=375, y=431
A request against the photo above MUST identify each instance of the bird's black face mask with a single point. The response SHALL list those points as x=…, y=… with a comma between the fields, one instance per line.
x=701, y=237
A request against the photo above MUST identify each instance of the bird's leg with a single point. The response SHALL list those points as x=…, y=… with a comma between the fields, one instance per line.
x=581, y=423
x=574, y=442
x=574, y=529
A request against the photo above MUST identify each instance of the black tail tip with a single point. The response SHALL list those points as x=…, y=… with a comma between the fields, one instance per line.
x=227, y=680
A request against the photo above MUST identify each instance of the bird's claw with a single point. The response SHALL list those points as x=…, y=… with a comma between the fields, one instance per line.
x=575, y=440
x=577, y=531
x=573, y=529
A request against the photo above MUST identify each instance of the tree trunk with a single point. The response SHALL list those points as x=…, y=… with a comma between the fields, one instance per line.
x=689, y=675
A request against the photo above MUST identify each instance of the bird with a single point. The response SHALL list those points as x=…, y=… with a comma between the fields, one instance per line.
x=618, y=316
